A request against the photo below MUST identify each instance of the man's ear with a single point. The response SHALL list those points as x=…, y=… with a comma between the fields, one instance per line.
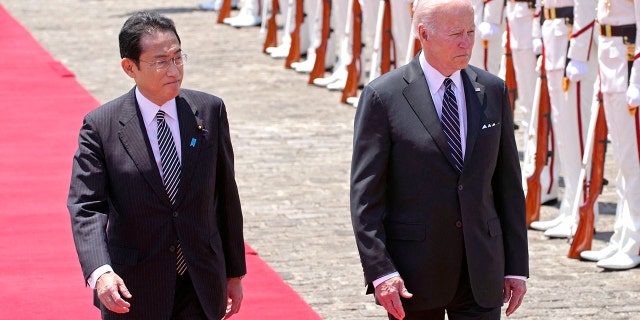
x=422, y=32
x=128, y=67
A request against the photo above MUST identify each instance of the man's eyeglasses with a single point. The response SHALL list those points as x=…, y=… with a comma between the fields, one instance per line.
x=165, y=64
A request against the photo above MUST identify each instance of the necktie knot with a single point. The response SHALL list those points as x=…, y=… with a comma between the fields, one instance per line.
x=160, y=116
x=447, y=83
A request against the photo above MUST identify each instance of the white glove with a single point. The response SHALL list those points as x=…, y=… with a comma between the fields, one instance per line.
x=576, y=70
x=488, y=31
x=537, y=46
x=633, y=94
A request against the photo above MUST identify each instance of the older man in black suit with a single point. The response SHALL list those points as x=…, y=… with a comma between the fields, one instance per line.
x=436, y=197
x=154, y=205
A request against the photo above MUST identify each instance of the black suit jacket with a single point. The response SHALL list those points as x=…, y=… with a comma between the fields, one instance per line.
x=413, y=213
x=121, y=214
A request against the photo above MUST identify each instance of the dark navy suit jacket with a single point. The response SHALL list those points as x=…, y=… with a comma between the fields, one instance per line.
x=411, y=211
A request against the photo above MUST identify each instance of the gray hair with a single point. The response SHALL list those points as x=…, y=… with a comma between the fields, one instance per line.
x=427, y=12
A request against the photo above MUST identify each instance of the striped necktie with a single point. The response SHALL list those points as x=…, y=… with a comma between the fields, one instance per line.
x=451, y=123
x=170, y=174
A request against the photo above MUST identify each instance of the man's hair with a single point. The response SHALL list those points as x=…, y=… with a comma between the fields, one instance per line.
x=427, y=13
x=138, y=25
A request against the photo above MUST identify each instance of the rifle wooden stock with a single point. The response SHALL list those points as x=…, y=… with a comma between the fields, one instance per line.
x=319, y=66
x=225, y=11
x=596, y=139
x=510, y=71
x=542, y=140
x=294, y=51
x=272, y=27
x=354, y=67
x=387, y=40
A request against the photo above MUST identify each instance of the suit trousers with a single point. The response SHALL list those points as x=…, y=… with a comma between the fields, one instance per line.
x=186, y=305
x=462, y=307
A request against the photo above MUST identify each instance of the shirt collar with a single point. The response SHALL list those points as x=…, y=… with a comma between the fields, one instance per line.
x=150, y=109
x=435, y=78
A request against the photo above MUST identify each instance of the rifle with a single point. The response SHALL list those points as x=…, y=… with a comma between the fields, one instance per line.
x=534, y=188
x=388, y=44
x=510, y=71
x=383, y=41
x=225, y=11
x=321, y=51
x=354, y=67
x=581, y=241
x=294, y=51
x=272, y=27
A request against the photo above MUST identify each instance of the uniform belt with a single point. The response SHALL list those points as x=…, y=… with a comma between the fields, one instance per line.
x=558, y=13
x=628, y=31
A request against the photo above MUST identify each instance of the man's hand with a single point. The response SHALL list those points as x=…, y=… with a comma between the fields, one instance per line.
x=576, y=70
x=388, y=294
x=536, y=44
x=110, y=287
x=514, y=290
x=633, y=94
x=488, y=31
x=234, y=296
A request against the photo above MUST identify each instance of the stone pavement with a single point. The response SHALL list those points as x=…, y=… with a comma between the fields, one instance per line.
x=293, y=149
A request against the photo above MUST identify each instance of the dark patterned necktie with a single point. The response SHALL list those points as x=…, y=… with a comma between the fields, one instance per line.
x=451, y=123
x=170, y=174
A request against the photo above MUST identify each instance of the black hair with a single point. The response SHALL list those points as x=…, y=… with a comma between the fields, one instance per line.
x=139, y=24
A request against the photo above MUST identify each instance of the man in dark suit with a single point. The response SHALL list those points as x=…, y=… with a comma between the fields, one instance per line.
x=439, y=228
x=154, y=205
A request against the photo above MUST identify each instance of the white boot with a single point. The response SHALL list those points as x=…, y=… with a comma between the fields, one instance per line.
x=620, y=261
x=597, y=255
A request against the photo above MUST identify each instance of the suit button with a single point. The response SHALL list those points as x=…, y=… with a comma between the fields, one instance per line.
x=172, y=248
x=458, y=224
x=460, y=187
x=175, y=214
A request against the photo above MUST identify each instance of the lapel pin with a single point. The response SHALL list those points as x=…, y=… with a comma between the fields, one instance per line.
x=201, y=128
x=193, y=142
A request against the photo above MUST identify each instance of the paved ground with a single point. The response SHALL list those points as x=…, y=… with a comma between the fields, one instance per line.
x=293, y=148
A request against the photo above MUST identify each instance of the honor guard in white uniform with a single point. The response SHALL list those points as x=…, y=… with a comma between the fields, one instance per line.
x=523, y=24
x=565, y=22
x=618, y=53
x=215, y=5
x=314, y=18
x=401, y=34
x=249, y=15
x=342, y=45
x=490, y=26
x=288, y=9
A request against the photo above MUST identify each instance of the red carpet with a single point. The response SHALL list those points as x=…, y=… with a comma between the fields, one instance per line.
x=42, y=107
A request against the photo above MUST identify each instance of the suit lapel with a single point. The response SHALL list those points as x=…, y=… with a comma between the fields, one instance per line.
x=474, y=95
x=133, y=136
x=419, y=98
x=192, y=142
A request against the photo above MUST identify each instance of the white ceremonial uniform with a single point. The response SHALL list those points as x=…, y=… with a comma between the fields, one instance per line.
x=570, y=109
x=491, y=13
x=522, y=21
x=248, y=16
x=313, y=27
x=623, y=251
x=342, y=43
